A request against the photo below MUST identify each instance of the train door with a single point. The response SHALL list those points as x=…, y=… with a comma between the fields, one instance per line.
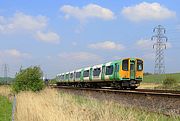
x=132, y=69
x=103, y=73
x=116, y=71
x=91, y=74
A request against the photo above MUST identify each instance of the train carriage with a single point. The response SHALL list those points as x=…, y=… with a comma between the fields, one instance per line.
x=124, y=73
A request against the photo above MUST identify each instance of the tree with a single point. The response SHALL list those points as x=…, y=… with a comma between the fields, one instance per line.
x=28, y=79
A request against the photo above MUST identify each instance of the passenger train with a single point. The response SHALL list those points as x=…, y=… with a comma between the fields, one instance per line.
x=124, y=73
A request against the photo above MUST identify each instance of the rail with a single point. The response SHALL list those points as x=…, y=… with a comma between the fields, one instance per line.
x=136, y=91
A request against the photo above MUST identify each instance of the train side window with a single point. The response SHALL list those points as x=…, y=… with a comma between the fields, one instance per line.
x=125, y=64
x=96, y=71
x=62, y=77
x=67, y=76
x=86, y=73
x=109, y=70
x=59, y=77
x=71, y=75
x=78, y=74
x=139, y=65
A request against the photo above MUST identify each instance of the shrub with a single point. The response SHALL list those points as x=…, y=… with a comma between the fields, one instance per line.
x=28, y=79
x=169, y=82
x=53, y=81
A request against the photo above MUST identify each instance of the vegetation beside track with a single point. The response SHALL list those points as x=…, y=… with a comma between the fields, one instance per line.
x=162, y=81
x=50, y=105
x=5, y=104
x=29, y=79
x=159, y=78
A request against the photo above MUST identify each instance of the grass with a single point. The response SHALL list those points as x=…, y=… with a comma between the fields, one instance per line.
x=5, y=104
x=149, y=85
x=156, y=81
x=5, y=90
x=160, y=78
x=51, y=105
x=5, y=109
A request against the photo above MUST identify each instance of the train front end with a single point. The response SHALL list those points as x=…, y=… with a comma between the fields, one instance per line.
x=131, y=72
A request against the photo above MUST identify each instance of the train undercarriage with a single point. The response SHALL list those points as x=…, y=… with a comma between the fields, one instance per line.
x=130, y=84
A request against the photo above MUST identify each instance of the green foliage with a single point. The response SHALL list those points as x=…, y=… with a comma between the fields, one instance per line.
x=53, y=81
x=169, y=82
x=28, y=79
x=5, y=109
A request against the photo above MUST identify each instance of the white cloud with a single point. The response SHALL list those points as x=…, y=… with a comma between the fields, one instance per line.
x=107, y=45
x=146, y=44
x=87, y=12
x=21, y=21
x=147, y=11
x=49, y=37
x=13, y=53
x=80, y=56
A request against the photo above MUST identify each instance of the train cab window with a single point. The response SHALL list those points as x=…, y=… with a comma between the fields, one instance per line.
x=139, y=65
x=96, y=71
x=86, y=73
x=78, y=74
x=109, y=70
x=125, y=65
x=71, y=75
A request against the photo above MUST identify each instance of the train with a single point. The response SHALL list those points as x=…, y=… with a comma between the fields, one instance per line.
x=126, y=73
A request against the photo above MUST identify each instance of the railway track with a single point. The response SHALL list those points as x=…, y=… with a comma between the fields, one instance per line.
x=166, y=102
x=169, y=93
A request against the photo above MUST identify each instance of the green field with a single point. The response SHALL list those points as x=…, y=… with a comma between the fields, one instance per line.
x=160, y=78
x=5, y=109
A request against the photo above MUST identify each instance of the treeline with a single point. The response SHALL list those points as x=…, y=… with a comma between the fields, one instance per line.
x=3, y=82
x=147, y=73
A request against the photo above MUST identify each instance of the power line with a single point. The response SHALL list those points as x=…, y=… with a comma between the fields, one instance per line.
x=159, y=46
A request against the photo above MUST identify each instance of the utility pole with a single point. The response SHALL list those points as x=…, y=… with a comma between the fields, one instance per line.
x=159, y=46
x=5, y=69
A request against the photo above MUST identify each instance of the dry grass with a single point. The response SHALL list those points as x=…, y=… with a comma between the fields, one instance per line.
x=49, y=105
x=149, y=85
x=5, y=90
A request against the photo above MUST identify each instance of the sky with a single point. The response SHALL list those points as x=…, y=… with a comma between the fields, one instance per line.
x=64, y=35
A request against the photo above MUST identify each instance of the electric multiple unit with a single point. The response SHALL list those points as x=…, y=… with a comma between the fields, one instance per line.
x=122, y=74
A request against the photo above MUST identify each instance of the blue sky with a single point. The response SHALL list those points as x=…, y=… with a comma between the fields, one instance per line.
x=63, y=35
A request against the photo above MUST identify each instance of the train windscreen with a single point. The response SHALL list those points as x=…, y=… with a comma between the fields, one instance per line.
x=139, y=65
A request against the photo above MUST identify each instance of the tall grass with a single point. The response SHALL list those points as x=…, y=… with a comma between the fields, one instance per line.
x=51, y=105
x=5, y=90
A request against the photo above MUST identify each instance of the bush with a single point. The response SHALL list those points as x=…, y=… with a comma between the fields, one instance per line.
x=28, y=79
x=53, y=81
x=169, y=82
